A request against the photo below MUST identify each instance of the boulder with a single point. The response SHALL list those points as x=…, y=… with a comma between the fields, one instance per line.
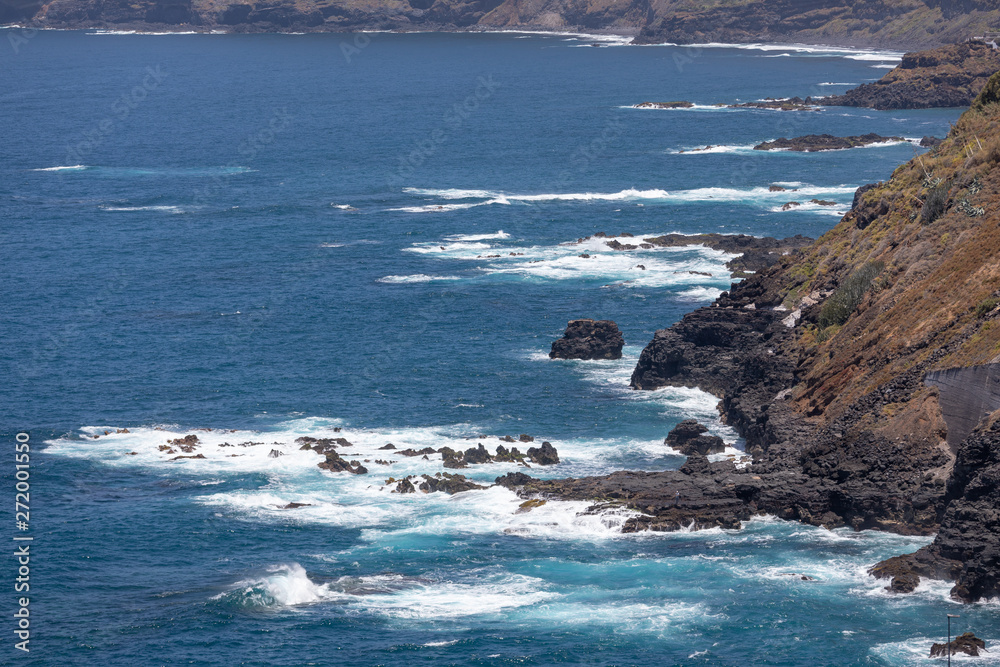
x=589, y=339
x=967, y=643
x=688, y=438
x=544, y=455
x=477, y=455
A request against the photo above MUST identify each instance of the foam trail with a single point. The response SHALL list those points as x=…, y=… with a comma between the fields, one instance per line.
x=416, y=278
x=75, y=167
x=478, y=237
x=162, y=209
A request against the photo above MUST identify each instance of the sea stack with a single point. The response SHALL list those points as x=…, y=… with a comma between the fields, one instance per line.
x=589, y=339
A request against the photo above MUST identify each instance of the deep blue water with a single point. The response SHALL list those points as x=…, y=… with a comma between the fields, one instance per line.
x=284, y=234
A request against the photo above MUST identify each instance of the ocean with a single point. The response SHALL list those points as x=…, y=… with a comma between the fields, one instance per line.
x=256, y=238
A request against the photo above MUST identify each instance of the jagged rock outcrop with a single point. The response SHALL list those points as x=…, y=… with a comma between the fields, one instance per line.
x=688, y=437
x=812, y=143
x=546, y=455
x=589, y=339
x=949, y=76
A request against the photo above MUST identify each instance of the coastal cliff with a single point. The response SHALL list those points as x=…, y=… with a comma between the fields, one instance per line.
x=949, y=76
x=902, y=24
x=839, y=366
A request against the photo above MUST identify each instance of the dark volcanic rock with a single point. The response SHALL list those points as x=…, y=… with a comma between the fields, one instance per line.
x=930, y=142
x=452, y=459
x=688, y=438
x=334, y=463
x=513, y=480
x=967, y=643
x=755, y=254
x=477, y=455
x=950, y=76
x=589, y=339
x=545, y=455
x=812, y=143
x=967, y=546
x=664, y=105
x=448, y=483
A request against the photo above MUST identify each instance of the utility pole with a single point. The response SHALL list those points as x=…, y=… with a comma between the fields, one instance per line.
x=948, y=645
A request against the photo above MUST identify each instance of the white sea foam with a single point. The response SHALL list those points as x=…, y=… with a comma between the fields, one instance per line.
x=709, y=150
x=416, y=278
x=884, y=66
x=344, y=207
x=589, y=259
x=161, y=209
x=700, y=294
x=283, y=586
x=693, y=107
x=808, y=50
x=838, y=211
x=606, y=40
x=75, y=167
x=749, y=195
x=478, y=237
x=831, y=83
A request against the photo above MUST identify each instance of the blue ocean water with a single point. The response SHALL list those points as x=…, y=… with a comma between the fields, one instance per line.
x=273, y=236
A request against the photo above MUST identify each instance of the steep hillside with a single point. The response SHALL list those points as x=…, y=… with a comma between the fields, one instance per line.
x=905, y=24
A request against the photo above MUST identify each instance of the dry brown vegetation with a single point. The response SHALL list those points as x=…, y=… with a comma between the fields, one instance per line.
x=935, y=227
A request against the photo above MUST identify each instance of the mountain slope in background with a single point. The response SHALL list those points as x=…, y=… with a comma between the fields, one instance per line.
x=904, y=24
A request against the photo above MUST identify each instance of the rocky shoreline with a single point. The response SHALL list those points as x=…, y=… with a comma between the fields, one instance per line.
x=832, y=363
x=950, y=76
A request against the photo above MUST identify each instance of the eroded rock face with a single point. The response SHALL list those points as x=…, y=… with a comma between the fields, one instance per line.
x=589, y=339
x=688, y=437
x=967, y=546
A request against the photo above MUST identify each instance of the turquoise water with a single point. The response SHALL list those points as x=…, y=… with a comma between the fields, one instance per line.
x=276, y=236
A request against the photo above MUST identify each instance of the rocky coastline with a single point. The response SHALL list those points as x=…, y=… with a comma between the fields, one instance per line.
x=830, y=362
x=950, y=76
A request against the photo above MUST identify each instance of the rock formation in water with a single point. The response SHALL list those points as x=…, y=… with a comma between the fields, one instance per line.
x=836, y=365
x=966, y=643
x=812, y=143
x=589, y=339
x=688, y=437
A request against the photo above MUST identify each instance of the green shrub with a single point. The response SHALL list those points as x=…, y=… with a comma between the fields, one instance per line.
x=848, y=295
x=935, y=204
x=986, y=307
x=990, y=93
